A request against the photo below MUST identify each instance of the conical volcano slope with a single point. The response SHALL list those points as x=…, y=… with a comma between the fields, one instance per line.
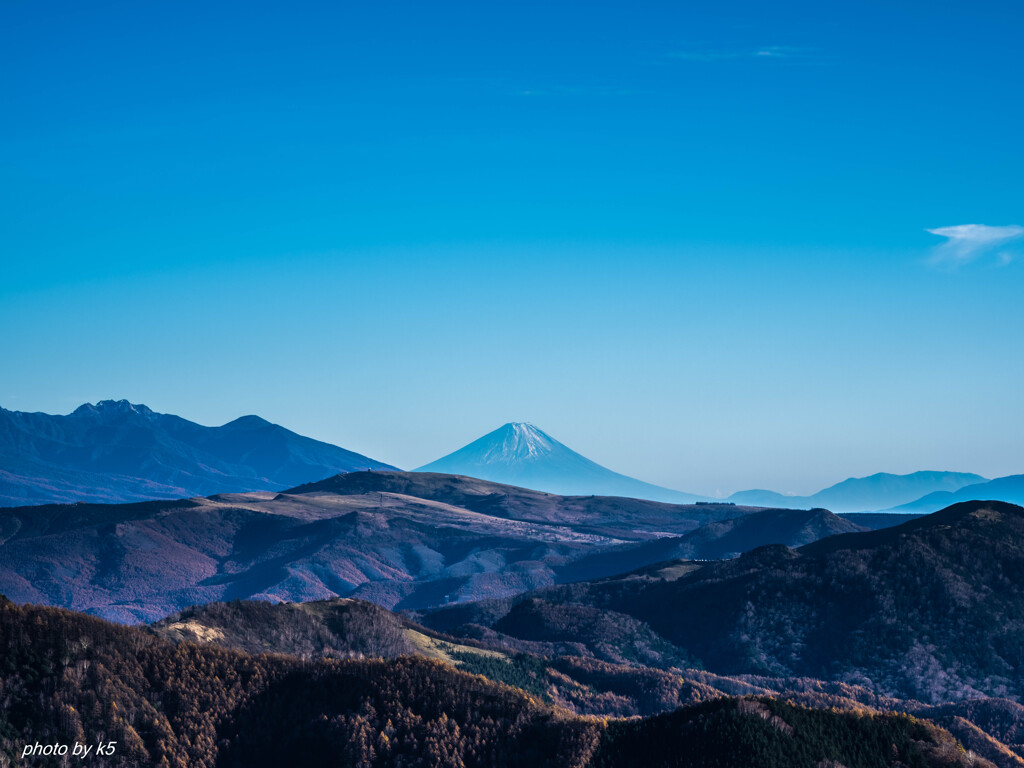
x=523, y=455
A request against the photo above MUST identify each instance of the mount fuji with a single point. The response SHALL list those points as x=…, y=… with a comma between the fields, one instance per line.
x=523, y=455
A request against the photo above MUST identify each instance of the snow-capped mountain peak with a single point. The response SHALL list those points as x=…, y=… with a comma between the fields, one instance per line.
x=516, y=442
x=518, y=453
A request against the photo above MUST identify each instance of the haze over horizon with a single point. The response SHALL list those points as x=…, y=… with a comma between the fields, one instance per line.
x=517, y=453
x=713, y=249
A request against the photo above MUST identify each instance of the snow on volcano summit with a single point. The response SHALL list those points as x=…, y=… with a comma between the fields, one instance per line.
x=521, y=454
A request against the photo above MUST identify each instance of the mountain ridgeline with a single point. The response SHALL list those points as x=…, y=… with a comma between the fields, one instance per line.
x=401, y=539
x=115, y=451
x=719, y=539
x=932, y=609
x=779, y=656
x=521, y=454
x=1010, y=489
x=872, y=493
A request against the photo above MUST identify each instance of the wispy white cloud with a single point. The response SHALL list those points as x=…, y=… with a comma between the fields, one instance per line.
x=566, y=90
x=967, y=242
x=784, y=52
x=705, y=53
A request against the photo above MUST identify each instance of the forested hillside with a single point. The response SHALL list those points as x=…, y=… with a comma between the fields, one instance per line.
x=67, y=678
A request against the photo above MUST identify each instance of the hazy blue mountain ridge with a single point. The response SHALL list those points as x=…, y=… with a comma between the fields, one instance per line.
x=116, y=451
x=867, y=494
x=1009, y=489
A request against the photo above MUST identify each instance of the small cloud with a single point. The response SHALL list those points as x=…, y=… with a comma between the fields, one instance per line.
x=968, y=242
x=700, y=53
x=783, y=52
x=584, y=91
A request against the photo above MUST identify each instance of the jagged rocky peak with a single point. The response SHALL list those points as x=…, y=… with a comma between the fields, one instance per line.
x=112, y=407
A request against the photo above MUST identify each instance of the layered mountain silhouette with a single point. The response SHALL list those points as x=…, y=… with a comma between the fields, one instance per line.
x=720, y=539
x=521, y=454
x=399, y=539
x=1009, y=489
x=116, y=451
x=931, y=610
x=869, y=494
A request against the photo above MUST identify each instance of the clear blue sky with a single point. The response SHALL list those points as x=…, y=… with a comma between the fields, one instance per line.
x=687, y=239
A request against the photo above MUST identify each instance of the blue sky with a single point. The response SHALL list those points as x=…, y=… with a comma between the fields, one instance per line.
x=691, y=241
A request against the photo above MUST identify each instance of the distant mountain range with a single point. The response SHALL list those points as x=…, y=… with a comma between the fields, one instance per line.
x=607, y=601
x=116, y=451
x=868, y=494
x=521, y=454
x=1009, y=489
